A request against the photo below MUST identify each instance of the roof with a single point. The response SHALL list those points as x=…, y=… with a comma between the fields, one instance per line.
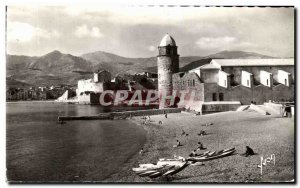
x=101, y=70
x=209, y=66
x=167, y=40
x=195, y=64
x=253, y=62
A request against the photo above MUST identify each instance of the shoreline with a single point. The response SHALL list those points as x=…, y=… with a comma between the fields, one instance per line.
x=126, y=174
x=230, y=129
x=35, y=101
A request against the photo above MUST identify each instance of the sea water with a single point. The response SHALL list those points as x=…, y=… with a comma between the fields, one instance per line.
x=39, y=149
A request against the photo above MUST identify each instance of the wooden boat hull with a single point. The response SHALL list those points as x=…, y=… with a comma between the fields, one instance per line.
x=212, y=156
x=163, y=168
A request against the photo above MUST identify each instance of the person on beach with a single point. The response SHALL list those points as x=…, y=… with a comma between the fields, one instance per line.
x=177, y=144
x=159, y=122
x=249, y=151
x=141, y=151
x=200, y=146
x=193, y=154
x=182, y=133
x=202, y=133
x=166, y=115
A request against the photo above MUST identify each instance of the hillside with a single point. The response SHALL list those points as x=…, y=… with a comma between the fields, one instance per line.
x=51, y=69
x=237, y=55
x=122, y=65
x=57, y=62
x=57, y=68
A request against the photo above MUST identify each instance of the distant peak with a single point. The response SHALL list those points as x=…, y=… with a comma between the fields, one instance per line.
x=54, y=52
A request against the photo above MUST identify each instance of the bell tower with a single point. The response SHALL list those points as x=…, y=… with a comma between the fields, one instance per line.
x=167, y=64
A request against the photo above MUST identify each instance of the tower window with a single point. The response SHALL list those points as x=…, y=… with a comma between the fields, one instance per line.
x=193, y=82
x=168, y=50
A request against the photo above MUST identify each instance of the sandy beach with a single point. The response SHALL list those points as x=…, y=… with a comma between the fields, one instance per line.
x=266, y=135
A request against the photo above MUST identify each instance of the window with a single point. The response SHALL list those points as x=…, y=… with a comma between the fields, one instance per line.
x=225, y=84
x=168, y=50
x=247, y=82
x=214, y=97
x=285, y=81
x=193, y=82
x=267, y=82
x=221, y=96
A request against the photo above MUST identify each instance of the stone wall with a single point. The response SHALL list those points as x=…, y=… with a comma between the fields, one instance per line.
x=148, y=112
x=164, y=64
x=123, y=114
x=209, y=108
x=283, y=93
x=189, y=82
x=102, y=76
x=245, y=95
x=261, y=94
x=84, y=99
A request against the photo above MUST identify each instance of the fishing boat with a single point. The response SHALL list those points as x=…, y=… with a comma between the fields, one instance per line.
x=162, y=168
x=168, y=167
x=207, y=156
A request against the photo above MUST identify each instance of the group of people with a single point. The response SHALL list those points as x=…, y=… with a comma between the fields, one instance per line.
x=148, y=119
x=200, y=147
x=183, y=133
x=207, y=124
x=202, y=133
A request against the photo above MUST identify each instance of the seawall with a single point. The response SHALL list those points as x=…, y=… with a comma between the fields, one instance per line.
x=123, y=114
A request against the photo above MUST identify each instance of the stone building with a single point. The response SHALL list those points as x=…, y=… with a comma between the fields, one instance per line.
x=224, y=84
x=168, y=64
x=242, y=80
x=88, y=91
x=100, y=82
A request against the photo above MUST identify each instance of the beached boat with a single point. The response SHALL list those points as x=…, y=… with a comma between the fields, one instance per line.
x=162, y=168
x=168, y=167
x=207, y=156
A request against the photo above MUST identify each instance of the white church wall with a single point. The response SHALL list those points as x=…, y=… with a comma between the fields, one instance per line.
x=266, y=78
x=247, y=79
x=284, y=77
x=223, y=79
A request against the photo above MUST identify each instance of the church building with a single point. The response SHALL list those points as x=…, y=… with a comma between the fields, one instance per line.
x=226, y=81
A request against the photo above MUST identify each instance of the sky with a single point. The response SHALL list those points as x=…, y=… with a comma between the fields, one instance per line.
x=137, y=31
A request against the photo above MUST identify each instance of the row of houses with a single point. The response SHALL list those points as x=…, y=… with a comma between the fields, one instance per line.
x=35, y=93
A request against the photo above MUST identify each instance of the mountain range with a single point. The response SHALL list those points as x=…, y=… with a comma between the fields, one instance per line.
x=57, y=68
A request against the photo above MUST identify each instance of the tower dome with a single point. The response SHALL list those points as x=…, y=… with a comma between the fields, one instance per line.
x=167, y=40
